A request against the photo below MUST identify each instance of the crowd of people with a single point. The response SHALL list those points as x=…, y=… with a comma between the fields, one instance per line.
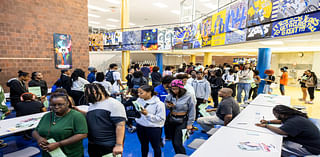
x=171, y=103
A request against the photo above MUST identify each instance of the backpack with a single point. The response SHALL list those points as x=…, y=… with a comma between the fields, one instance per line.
x=138, y=82
x=109, y=77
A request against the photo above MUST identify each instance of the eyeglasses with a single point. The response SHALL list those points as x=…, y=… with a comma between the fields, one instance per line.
x=59, y=104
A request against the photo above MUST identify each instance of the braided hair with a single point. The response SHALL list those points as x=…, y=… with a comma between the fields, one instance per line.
x=288, y=112
x=94, y=92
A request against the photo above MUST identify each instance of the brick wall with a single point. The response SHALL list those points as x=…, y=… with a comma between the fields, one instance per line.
x=26, y=31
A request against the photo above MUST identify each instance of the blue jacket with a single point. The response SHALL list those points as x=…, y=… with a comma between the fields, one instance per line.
x=91, y=77
x=162, y=92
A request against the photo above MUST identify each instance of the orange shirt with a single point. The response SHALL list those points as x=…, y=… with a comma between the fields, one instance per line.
x=284, y=79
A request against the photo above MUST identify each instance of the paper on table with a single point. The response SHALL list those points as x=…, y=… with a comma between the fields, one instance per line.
x=57, y=152
x=204, y=113
x=35, y=90
x=203, y=106
x=137, y=105
x=111, y=155
x=185, y=135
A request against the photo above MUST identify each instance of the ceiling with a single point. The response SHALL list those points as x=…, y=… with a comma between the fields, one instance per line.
x=106, y=13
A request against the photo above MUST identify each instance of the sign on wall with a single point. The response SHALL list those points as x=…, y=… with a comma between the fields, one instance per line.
x=259, y=32
x=62, y=51
x=259, y=12
x=237, y=36
x=296, y=25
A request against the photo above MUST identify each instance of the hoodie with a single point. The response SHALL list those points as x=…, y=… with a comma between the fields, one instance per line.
x=202, y=89
x=156, y=112
x=17, y=88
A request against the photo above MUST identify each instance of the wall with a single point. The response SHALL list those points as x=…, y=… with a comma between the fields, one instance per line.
x=26, y=35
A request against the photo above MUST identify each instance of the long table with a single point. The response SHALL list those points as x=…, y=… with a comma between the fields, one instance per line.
x=271, y=100
x=9, y=126
x=231, y=142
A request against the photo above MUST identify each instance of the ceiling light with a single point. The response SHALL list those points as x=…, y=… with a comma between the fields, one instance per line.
x=113, y=1
x=112, y=26
x=271, y=42
x=113, y=20
x=93, y=15
x=160, y=5
x=94, y=22
x=175, y=12
x=210, y=5
x=132, y=24
x=98, y=8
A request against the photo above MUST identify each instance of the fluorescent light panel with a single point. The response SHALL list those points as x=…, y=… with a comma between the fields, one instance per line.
x=98, y=8
x=113, y=20
x=132, y=24
x=93, y=15
x=113, y=1
x=112, y=26
x=160, y=5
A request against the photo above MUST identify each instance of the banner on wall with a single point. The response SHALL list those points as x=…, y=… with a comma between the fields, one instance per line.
x=287, y=8
x=206, y=32
x=131, y=40
x=259, y=32
x=196, y=39
x=259, y=12
x=236, y=16
x=218, y=39
x=149, y=39
x=62, y=51
x=112, y=38
x=218, y=23
x=297, y=25
x=237, y=36
x=165, y=38
x=183, y=37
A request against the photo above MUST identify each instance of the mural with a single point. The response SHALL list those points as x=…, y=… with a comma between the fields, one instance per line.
x=165, y=38
x=218, y=22
x=149, y=39
x=131, y=40
x=62, y=51
x=237, y=36
x=236, y=16
x=112, y=38
x=206, y=31
x=297, y=25
x=196, y=35
x=259, y=32
x=259, y=12
x=183, y=37
x=288, y=8
x=96, y=42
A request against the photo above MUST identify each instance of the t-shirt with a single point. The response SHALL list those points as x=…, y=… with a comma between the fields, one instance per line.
x=302, y=131
x=228, y=106
x=28, y=107
x=78, y=85
x=102, y=118
x=116, y=86
x=284, y=79
x=270, y=78
x=145, y=71
x=69, y=125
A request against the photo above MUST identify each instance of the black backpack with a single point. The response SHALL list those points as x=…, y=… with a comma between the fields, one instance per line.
x=138, y=82
x=109, y=77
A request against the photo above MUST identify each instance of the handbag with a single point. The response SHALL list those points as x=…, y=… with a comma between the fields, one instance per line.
x=176, y=119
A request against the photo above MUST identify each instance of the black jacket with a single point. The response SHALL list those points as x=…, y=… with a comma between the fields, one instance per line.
x=156, y=77
x=40, y=83
x=64, y=82
x=17, y=88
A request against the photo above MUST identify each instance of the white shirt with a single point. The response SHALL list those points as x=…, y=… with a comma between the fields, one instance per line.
x=78, y=85
x=190, y=89
x=190, y=80
x=106, y=84
x=116, y=86
x=230, y=78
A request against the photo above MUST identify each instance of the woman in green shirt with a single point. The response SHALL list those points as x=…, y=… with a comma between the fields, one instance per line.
x=63, y=124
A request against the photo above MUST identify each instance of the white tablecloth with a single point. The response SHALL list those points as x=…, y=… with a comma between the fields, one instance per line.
x=226, y=143
x=271, y=100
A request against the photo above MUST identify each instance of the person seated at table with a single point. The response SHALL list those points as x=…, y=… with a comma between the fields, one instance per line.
x=66, y=126
x=227, y=110
x=29, y=105
x=303, y=137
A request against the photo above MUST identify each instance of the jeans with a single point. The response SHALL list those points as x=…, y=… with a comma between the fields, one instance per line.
x=243, y=87
x=267, y=89
x=176, y=132
x=311, y=92
x=293, y=149
x=152, y=135
x=207, y=123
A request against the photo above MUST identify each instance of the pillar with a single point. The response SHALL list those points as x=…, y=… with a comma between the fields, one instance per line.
x=264, y=63
x=125, y=24
x=207, y=59
x=159, y=59
x=193, y=59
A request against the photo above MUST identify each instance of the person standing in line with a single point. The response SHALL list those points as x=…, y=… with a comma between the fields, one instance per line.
x=202, y=90
x=230, y=81
x=304, y=88
x=255, y=84
x=37, y=81
x=129, y=78
x=17, y=87
x=77, y=89
x=269, y=80
x=216, y=83
x=100, y=78
x=311, y=84
x=245, y=78
x=193, y=77
x=188, y=87
x=146, y=71
x=283, y=79
x=65, y=80
x=114, y=77
x=156, y=77
x=92, y=75
x=167, y=71
x=182, y=113
x=149, y=125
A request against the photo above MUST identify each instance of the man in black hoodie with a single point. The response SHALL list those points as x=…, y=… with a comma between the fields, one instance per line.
x=17, y=87
x=65, y=80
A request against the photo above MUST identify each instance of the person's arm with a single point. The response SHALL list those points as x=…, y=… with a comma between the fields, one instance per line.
x=227, y=119
x=258, y=79
x=73, y=139
x=159, y=116
x=208, y=91
x=120, y=130
x=17, y=88
x=43, y=109
x=119, y=83
x=273, y=129
x=191, y=113
x=81, y=111
x=42, y=142
x=270, y=121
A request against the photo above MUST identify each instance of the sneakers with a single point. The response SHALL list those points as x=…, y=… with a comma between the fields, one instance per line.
x=132, y=129
x=309, y=102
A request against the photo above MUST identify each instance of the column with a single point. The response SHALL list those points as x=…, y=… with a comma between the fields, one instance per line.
x=125, y=24
x=159, y=59
x=207, y=59
x=193, y=59
x=264, y=63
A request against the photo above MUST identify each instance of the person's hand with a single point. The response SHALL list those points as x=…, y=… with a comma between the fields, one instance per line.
x=43, y=99
x=118, y=149
x=144, y=112
x=170, y=104
x=52, y=146
x=189, y=127
x=205, y=101
x=263, y=121
x=210, y=110
x=42, y=142
x=261, y=125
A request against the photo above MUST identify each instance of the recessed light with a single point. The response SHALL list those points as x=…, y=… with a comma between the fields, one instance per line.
x=113, y=1
x=94, y=22
x=160, y=5
x=112, y=20
x=93, y=15
x=132, y=24
x=98, y=8
x=271, y=42
x=175, y=12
